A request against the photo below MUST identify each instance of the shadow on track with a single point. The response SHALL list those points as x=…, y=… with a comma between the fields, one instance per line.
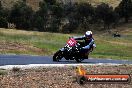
x=74, y=62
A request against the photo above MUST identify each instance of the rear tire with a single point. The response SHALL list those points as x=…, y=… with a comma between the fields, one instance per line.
x=79, y=60
x=57, y=56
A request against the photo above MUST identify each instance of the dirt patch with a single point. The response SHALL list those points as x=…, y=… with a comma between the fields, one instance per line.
x=6, y=46
x=58, y=77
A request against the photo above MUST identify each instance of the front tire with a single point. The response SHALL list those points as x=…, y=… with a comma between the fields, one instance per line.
x=57, y=56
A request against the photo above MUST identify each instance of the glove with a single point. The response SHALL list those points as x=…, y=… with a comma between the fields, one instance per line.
x=86, y=47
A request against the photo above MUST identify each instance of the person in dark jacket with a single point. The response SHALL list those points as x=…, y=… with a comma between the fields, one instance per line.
x=88, y=42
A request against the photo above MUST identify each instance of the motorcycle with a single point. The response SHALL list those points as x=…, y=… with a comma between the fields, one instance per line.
x=71, y=51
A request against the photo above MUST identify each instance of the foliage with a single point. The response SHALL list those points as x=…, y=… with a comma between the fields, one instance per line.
x=40, y=18
x=125, y=9
x=70, y=17
x=86, y=12
x=57, y=15
x=3, y=16
x=21, y=15
x=3, y=72
x=106, y=14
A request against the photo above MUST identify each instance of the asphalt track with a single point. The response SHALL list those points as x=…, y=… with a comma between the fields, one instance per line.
x=26, y=59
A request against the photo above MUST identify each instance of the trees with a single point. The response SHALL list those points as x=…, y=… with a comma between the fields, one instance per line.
x=80, y=16
x=21, y=15
x=57, y=15
x=125, y=9
x=3, y=16
x=85, y=12
x=49, y=16
x=56, y=11
x=40, y=18
x=106, y=14
x=71, y=17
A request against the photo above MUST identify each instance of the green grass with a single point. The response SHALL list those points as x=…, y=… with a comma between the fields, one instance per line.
x=115, y=48
x=49, y=43
x=3, y=72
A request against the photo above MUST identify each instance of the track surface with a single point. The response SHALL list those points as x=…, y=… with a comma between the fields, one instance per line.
x=26, y=59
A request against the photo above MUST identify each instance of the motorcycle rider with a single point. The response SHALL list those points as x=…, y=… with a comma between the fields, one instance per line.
x=88, y=44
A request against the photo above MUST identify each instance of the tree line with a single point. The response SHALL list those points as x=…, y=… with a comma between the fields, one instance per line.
x=53, y=16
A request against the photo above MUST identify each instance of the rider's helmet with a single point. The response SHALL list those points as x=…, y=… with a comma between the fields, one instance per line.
x=88, y=35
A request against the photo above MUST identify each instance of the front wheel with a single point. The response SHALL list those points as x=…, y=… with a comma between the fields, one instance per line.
x=57, y=56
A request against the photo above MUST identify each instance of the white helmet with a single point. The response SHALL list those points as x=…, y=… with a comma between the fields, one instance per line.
x=88, y=34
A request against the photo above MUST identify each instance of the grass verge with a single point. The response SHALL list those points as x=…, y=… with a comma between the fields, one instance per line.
x=43, y=43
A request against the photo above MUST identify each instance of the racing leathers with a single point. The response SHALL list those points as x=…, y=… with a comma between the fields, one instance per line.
x=88, y=43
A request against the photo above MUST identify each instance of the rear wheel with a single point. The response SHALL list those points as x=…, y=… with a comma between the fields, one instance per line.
x=79, y=60
x=57, y=56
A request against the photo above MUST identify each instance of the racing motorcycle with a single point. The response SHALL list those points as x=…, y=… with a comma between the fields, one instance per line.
x=71, y=51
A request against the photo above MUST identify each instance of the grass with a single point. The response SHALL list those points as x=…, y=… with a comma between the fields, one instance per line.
x=44, y=43
x=48, y=42
x=110, y=47
x=3, y=72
